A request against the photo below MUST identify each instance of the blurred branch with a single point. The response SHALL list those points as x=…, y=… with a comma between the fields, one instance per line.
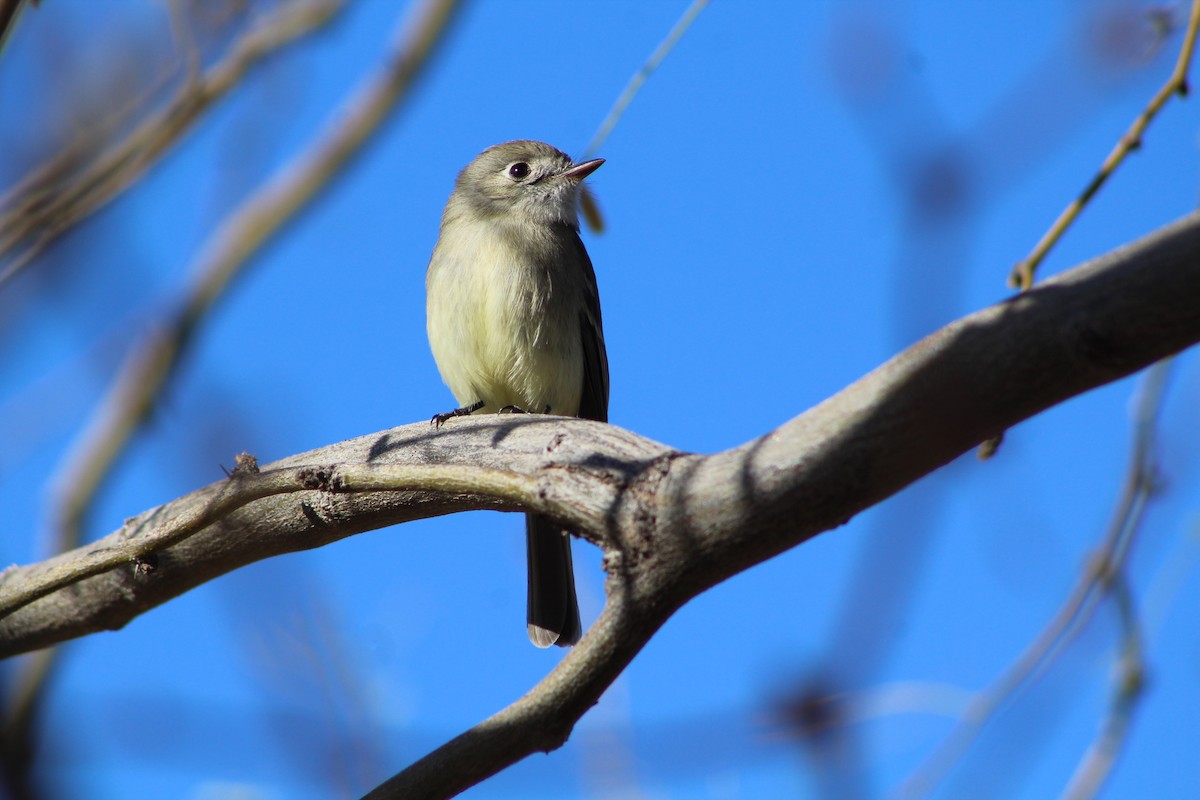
x=1102, y=577
x=1022, y=274
x=671, y=524
x=10, y=15
x=1098, y=761
x=23, y=697
x=57, y=195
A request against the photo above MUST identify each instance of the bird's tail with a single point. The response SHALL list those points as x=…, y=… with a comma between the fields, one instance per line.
x=552, y=615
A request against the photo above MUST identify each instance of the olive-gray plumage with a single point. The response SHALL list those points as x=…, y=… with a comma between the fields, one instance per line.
x=514, y=320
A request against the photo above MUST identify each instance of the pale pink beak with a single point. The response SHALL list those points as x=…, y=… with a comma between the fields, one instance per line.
x=578, y=172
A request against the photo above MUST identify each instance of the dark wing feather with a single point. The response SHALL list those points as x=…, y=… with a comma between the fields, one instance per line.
x=593, y=402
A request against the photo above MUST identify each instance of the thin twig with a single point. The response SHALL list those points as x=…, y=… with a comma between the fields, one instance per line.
x=635, y=83
x=1095, y=583
x=591, y=210
x=1022, y=274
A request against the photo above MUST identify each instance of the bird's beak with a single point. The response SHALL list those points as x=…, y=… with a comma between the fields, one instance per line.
x=578, y=172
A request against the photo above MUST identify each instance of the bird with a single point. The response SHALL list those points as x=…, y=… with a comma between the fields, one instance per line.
x=513, y=319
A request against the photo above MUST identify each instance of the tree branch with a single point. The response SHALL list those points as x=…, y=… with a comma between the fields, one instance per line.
x=671, y=524
x=713, y=516
x=54, y=199
x=306, y=501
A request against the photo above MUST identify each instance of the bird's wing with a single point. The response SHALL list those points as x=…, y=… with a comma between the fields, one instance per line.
x=593, y=402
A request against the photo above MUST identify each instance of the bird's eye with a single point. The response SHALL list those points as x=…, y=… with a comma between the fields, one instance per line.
x=518, y=171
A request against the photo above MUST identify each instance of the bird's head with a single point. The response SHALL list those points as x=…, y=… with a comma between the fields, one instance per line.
x=526, y=180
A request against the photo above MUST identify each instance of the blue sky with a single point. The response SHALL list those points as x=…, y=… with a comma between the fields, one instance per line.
x=799, y=192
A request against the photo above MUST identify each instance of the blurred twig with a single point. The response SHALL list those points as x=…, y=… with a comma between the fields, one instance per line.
x=591, y=211
x=639, y=78
x=1021, y=276
x=56, y=196
x=1098, y=761
x=1102, y=577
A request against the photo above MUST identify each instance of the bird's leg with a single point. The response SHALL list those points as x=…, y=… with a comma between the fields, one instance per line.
x=519, y=410
x=439, y=419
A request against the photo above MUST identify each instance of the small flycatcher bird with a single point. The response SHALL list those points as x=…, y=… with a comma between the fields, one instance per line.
x=514, y=323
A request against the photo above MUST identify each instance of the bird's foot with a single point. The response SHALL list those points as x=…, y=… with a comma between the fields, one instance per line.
x=519, y=410
x=440, y=419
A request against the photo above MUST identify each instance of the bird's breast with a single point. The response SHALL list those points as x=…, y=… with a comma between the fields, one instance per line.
x=504, y=320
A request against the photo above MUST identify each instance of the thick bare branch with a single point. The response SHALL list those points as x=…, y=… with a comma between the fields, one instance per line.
x=707, y=518
x=671, y=524
x=306, y=501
